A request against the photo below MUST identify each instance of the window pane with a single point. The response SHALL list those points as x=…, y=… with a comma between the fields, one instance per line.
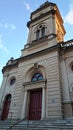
x=43, y=32
x=37, y=77
x=40, y=77
x=37, y=34
x=34, y=79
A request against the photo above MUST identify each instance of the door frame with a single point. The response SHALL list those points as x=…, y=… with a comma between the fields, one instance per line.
x=30, y=91
x=29, y=86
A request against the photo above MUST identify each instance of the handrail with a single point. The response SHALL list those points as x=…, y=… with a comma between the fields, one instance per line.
x=27, y=117
x=10, y=128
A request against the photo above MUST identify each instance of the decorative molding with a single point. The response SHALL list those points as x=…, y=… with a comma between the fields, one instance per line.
x=36, y=82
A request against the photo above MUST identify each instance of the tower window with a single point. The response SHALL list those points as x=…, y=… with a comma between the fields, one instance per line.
x=43, y=32
x=37, y=77
x=40, y=33
x=37, y=34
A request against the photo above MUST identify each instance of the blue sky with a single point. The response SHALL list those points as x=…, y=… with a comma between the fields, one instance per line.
x=14, y=15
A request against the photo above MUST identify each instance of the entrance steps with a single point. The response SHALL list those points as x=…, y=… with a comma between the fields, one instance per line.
x=38, y=125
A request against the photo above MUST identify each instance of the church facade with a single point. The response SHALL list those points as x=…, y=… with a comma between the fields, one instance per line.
x=39, y=84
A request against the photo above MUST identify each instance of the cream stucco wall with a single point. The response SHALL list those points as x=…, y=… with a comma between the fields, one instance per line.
x=49, y=66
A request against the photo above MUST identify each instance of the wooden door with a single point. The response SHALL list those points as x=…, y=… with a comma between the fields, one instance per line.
x=6, y=107
x=35, y=105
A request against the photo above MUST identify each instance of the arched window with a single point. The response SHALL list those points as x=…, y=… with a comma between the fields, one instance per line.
x=37, y=77
x=40, y=33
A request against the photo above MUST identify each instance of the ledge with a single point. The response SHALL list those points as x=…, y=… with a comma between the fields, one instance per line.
x=29, y=83
x=67, y=101
x=40, y=41
x=37, y=42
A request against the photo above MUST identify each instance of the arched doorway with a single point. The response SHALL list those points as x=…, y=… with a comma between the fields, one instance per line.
x=6, y=107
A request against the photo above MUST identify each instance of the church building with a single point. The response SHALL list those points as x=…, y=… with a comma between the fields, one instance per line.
x=39, y=84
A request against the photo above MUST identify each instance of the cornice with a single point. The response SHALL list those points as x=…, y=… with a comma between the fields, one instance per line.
x=30, y=56
x=63, y=46
x=43, y=6
x=41, y=16
x=66, y=45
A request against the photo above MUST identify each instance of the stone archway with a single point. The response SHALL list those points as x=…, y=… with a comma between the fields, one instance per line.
x=34, y=86
x=6, y=107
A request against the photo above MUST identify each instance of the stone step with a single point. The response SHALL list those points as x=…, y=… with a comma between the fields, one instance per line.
x=38, y=125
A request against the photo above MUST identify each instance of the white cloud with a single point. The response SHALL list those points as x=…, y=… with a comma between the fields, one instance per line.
x=7, y=26
x=2, y=46
x=27, y=6
x=69, y=16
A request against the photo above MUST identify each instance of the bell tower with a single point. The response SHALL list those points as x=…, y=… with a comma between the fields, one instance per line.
x=45, y=28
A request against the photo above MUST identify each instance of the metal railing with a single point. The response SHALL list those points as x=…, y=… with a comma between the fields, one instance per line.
x=19, y=121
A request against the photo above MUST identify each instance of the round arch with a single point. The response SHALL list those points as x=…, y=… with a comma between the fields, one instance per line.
x=29, y=74
x=40, y=25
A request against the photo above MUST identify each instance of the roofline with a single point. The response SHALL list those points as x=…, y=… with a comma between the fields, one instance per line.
x=46, y=4
x=52, y=11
